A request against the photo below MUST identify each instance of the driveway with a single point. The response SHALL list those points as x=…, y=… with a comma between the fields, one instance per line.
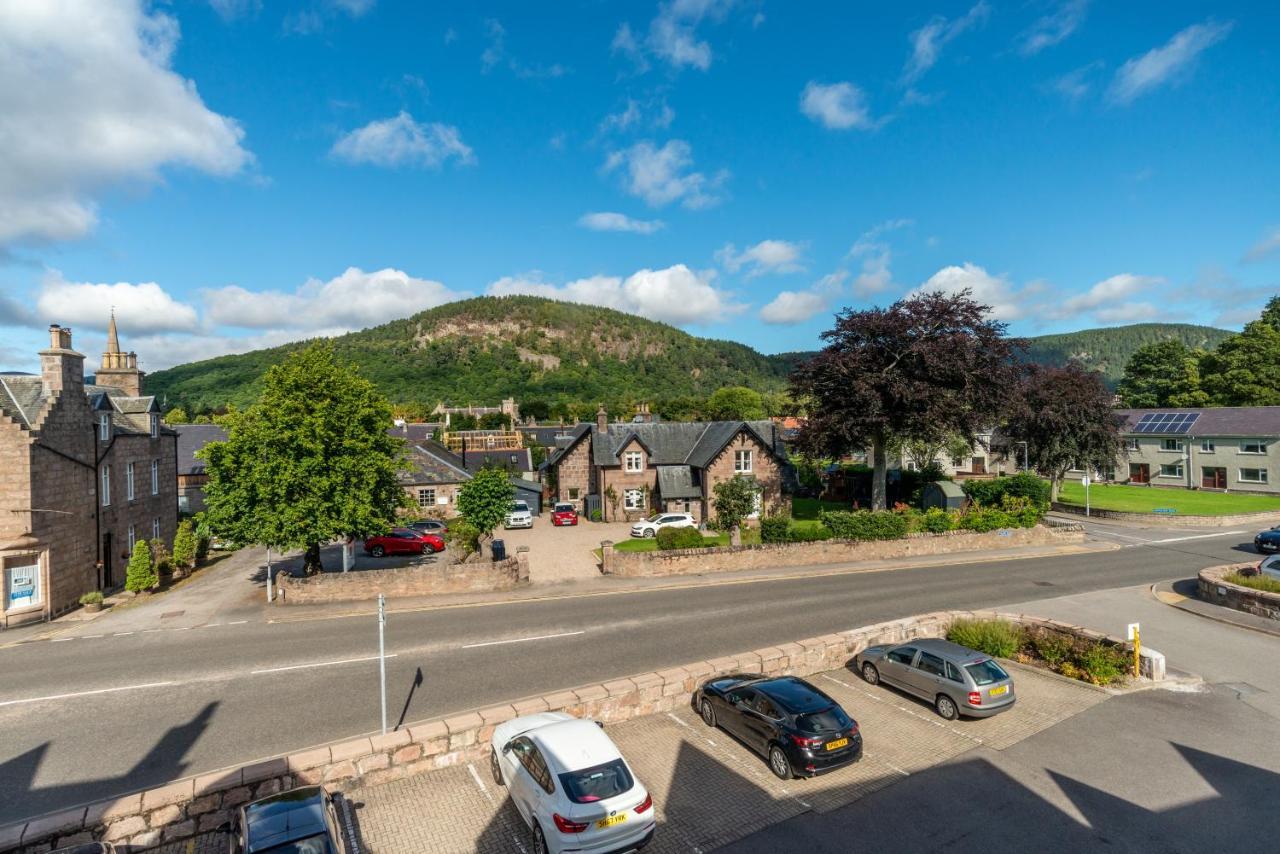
x=562, y=554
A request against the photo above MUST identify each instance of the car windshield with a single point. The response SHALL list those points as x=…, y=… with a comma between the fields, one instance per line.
x=986, y=672
x=655, y=517
x=832, y=720
x=519, y=507
x=318, y=844
x=597, y=783
x=564, y=508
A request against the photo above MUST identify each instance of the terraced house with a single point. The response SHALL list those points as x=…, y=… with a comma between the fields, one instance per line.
x=1234, y=448
x=631, y=469
x=86, y=469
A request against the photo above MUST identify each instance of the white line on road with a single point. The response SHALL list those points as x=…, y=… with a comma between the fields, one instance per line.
x=475, y=776
x=87, y=637
x=522, y=640
x=84, y=693
x=319, y=664
x=122, y=634
x=60, y=640
x=1194, y=537
x=677, y=720
x=238, y=623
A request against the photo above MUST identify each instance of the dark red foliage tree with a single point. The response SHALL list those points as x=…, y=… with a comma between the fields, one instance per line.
x=927, y=367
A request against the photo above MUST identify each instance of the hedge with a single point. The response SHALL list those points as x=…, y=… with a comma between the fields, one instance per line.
x=866, y=524
x=679, y=538
x=991, y=493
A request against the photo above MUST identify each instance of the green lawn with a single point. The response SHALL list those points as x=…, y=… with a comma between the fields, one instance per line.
x=1146, y=499
x=804, y=512
x=750, y=536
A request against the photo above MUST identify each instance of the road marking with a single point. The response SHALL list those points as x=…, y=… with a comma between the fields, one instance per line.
x=60, y=640
x=476, y=776
x=87, y=637
x=122, y=634
x=931, y=719
x=319, y=664
x=522, y=640
x=1195, y=537
x=85, y=693
x=676, y=718
x=238, y=623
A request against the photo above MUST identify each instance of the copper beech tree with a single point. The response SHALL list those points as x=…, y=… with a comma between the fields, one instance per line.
x=928, y=367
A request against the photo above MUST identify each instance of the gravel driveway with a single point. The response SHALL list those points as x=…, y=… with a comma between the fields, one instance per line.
x=562, y=554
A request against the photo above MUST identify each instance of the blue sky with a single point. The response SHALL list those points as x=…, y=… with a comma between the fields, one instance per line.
x=230, y=174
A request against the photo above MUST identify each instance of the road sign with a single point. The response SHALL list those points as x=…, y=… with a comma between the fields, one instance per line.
x=1133, y=631
x=1084, y=481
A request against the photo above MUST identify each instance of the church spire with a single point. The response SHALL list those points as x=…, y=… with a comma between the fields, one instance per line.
x=113, y=340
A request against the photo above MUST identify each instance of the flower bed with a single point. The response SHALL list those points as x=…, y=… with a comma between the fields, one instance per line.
x=1096, y=661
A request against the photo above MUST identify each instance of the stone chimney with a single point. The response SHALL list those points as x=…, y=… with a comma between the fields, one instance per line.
x=643, y=415
x=602, y=419
x=61, y=368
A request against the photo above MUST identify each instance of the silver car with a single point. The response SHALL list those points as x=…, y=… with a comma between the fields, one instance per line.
x=955, y=679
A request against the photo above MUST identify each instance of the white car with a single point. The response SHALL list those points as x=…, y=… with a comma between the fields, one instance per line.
x=571, y=785
x=1268, y=568
x=518, y=516
x=649, y=527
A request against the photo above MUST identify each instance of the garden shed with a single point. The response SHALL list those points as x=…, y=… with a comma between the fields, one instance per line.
x=943, y=494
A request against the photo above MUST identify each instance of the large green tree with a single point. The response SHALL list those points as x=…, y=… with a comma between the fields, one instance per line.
x=309, y=463
x=1245, y=369
x=734, y=500
x=927, y=367
x=735, y=403
x=1166, y=373
x=485, y=500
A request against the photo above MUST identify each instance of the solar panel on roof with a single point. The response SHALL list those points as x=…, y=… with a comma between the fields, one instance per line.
x=1166, y=422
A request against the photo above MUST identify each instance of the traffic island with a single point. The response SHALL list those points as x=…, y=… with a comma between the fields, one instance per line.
x=1213, y=587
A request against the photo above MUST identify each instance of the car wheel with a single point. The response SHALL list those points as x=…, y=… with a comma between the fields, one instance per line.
x=779, y=764
x=539, y=840
x=870, y=673
x=708, y=713
x=946, y=707
x=428, y=549
x=495, y=768
x=651, y=532
x=377, y=551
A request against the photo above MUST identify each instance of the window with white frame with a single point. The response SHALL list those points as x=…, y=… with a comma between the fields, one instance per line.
x=155, y=426
x=1171, y=470
x=633, y=499
x=633, y=461
x=155, y=528
x=128, y=481
x=104, y=426
x=742, y=462
x=131, y=539
x=1253, y=475
x=1253, y=446
x=1171, y=444
x=155, y=477
x=426, y=497
x=1207, y=446
x=106, y=486
x=1131, y=444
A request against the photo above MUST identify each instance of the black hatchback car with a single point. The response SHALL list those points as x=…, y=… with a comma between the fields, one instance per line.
x=299, y=821
x=1268, y=540
x=800, y=730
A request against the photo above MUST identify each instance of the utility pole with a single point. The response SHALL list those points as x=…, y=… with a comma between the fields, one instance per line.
x=382, y=656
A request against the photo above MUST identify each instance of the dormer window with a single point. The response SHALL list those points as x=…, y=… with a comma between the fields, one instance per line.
x=155, y=426
x=104, y=427
x=633, y=461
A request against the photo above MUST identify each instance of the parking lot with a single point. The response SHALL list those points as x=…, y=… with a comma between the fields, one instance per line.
x=709, y=789
x=565, y=553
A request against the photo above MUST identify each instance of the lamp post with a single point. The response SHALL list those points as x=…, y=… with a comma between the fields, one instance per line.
x=1026, y=456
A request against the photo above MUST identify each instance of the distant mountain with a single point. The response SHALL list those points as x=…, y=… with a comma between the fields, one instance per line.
x=482, y=350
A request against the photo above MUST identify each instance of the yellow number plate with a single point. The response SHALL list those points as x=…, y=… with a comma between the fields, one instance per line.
x=611, y=820
x=837, y=744
x=996, y=692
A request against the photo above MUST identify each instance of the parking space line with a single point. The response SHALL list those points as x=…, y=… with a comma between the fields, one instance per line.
x=915, y=714
x=480, y=783
x=319, y=664
x=676, y=718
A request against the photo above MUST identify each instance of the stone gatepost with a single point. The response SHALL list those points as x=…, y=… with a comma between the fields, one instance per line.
x=522, y=564
x=606, y=555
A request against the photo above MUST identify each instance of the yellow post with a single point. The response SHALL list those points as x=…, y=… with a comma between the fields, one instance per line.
x=1137, y=652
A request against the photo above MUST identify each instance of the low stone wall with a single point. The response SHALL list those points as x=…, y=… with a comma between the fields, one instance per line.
x=1212, y=588
x=1176, y=520
x=479, y=577
x=769, y=556
x=198, y=804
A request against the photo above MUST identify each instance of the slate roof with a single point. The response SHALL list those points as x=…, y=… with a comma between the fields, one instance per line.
x=680, y=443
x=1242, y=421
x=476, y=460
x=191, y=438
x=528, y=485
x=431, y=462
x=419, y=432
x=547, y=435
x=22, y=397
x=679, y=482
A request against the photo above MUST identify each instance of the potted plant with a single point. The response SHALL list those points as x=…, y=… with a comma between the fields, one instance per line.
x=92, y=601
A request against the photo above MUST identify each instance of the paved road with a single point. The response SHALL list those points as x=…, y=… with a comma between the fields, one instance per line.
x=181, y=702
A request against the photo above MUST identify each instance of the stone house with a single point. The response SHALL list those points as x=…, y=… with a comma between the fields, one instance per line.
x=632, y=469
x=434, y=477
x=85, y=471
x=192, y=476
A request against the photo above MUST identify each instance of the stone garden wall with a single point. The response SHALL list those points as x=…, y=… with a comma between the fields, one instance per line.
x=482, y=576
x=1257, y=602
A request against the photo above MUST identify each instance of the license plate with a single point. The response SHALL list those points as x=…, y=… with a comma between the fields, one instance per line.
x=837, y=744
x=996, y=692
x=611, y=820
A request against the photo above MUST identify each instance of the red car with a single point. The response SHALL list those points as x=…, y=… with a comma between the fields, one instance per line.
x=403, y=541
x=564, y=514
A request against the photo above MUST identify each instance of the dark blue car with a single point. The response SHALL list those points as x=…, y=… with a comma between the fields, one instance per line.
x=1268, y=540
x=300, y=821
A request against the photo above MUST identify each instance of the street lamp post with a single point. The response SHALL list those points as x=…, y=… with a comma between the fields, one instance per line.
x=1026, y=456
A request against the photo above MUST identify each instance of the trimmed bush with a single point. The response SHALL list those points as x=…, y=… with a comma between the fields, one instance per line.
x=464, y=536
x=997, y=638
x=775, y=529
x=865, y=524
x=809, y=534
x=141, y=574
x=936, y=521
x=184, y=545
x=991, y=493
x=985, y=493
x=679, y=538
x=1102, y=663
x=982, y=521
x=93, y=597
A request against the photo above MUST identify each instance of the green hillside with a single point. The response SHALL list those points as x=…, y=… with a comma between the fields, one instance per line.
x=1108, y=350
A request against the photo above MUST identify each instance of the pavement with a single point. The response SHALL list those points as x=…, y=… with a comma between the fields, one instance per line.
x=155, y=704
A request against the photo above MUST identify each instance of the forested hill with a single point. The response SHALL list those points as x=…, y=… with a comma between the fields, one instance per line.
x=481, y=350
x=1108, y=350
x=484, y=349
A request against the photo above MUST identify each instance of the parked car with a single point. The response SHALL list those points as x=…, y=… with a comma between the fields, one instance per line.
x=403, y=541
x=429, y=526
x=570, y=784
x=649, y=527
x=799, y=729
x=564, y=514
x=1268, y=540
x=299, y=821
x=88, y=848
x=519, y=516
x=956, y=679
x=1268, y=567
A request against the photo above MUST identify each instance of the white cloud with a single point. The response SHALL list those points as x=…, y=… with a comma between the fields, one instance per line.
x=655, y=112
x=1269, y=244
x=839, y=106
x=157, y=352
x=353, y=300
x=995, y=291
x=1106, y=299
x=90, y=99
x=141, y=308
x=400, y=141
x=1166, y=63
x=876, y=256
x=674, y=295
x=662, y=175
x=1056, y=26
x=1131, y=312
x=305, y=22
x=229, y=10
x=767, y=256
x=673, y=35
x=928, y=41
x=1074, y=85
x=496, y=54
x=791, y=307
x=609, y=221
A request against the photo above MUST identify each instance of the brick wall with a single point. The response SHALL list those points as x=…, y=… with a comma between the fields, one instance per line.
x=575, y=472
x=1257, y=602
x=731, y=558
x=478, y=577
x=765, y=470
